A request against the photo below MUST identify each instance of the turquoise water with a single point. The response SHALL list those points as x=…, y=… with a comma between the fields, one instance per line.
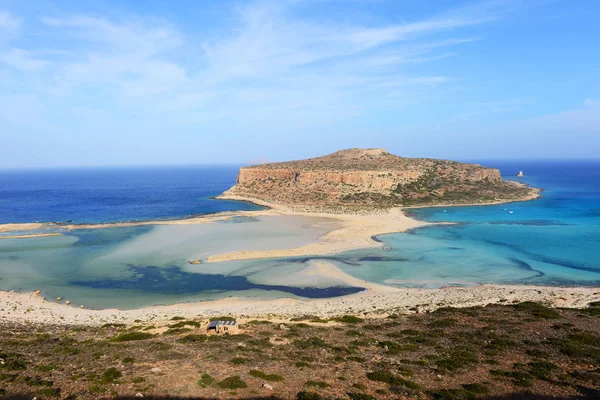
x=130, y=267
x=551, y=241
x=554, y=240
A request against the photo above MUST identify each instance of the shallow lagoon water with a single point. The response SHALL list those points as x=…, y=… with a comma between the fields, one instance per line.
x=551, y=241
x=129, y=267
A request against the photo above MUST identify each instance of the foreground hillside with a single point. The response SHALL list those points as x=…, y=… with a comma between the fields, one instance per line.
x=374, y=178
x=514, y=351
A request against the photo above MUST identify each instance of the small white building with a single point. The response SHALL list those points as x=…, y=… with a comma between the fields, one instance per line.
x=224, y=327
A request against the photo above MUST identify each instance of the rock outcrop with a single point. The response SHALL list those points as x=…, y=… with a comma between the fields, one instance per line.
x=374, y=178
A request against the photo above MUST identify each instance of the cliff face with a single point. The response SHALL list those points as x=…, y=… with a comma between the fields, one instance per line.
x=374, y=178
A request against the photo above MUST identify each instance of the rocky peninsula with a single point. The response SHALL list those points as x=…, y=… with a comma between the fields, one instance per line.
x=367, y=180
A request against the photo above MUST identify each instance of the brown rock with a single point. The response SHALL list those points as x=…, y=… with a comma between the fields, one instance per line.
x=374, y=178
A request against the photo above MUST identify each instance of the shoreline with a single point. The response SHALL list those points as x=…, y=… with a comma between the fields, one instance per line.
x=376, y=301
x=354, y=231
x=270, y=209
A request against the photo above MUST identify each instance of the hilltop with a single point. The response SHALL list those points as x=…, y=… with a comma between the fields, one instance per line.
x=375, y=178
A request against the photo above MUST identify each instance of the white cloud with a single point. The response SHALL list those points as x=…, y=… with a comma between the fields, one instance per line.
x=581, y=121
x=120, y=56
x=273, y=68
x=8, y=22
x=22, y=60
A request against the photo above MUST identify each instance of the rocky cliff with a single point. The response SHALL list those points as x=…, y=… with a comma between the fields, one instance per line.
x=374, y=178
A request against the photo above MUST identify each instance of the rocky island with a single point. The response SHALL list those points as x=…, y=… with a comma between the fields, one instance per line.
x=368, y=179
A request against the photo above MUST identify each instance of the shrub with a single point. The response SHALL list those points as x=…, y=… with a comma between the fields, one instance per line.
x=222, y=319
x=37, y=381
x=391, y=379
x=192, y=338
x=177, y=331
x=267, y=377
x=138, y=379
x=537, y=310
x=110, y=375
x=45, y=368
x=126, y=337
x=259, y=322
x=96, y=389
x=128, y=360
x=205, y=380
x=302, y=364
x=360, y=396
x=310, y=342
x=349, y=319
x=476, y=388
x=443, y=323
x=452, y=394
x=113, y=326
x=542, y=369
x=177, y=318
x=458, y=358
x=50, y=392
x=238, y=361
x=13, y=362
x=233, y=382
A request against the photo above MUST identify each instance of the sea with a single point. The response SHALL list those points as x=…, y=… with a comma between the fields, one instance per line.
x=554, y=240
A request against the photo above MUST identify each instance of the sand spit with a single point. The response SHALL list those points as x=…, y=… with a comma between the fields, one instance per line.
x=354, y=232
x=27, y=236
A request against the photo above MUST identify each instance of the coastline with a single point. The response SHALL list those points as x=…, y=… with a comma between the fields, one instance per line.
x=353, y=231
x=376, y=301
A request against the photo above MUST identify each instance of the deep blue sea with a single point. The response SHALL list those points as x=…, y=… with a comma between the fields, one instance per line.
x=92, y=195
x=554, y=240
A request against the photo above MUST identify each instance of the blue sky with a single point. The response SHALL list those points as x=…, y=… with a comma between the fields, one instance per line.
x=155, y=82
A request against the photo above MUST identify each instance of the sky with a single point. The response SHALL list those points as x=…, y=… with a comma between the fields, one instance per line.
x=216, y=81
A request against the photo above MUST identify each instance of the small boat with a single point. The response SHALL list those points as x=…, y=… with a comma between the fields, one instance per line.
x=511, y=212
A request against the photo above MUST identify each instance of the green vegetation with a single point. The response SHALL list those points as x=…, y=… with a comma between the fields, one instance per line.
x=222, y=318
x=267, y=377
x=457, y=359
x=394, y=380
x=127, y=337
x=348, y=319
x=49, y=392
x=110, y=375
x=205, y=380
x=482, y=350
x=360, y=396
x=537, y=310
x=193, y=338
x=310, y=342
x=13, y=362
x=233, y=382
x=309, y=396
